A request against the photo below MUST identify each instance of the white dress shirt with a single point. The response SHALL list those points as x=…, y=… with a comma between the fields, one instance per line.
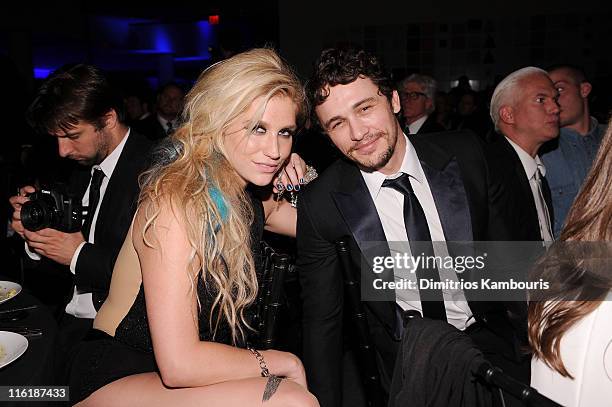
x=389, y=205
x=81, y=305
x=531, y=166
x=164, y=123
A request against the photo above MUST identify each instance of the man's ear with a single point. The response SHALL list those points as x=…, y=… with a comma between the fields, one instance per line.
x=395, y=102
x=506, y=114
x=110, y=119
x=585, y=89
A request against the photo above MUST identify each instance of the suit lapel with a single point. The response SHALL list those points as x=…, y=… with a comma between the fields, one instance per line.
x=426, y=127
x=548, y=200
x=525, y=188
x=353, y=200
x=444, y=177
x=116, y=190
x=357, y=208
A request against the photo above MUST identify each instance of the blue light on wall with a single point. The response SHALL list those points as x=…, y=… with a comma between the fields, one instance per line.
x=205, y=38
x=42, y=73
x=188, y=59
x=146, y=51
x=161, y=39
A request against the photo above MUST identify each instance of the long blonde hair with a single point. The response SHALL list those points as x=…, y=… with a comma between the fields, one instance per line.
x=205, y=190
x=579, y=271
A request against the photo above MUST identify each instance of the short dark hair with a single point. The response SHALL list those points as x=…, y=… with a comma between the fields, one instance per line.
x=71, y=94
x=576, y=71
x=341, y=66
x=168, y=85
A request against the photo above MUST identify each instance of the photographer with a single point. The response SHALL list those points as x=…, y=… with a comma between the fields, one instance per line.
x=77, y=105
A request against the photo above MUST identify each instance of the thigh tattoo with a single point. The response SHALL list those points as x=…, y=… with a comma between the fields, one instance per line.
x=271, y=387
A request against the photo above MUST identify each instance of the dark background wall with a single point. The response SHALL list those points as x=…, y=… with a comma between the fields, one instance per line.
x=156, y=42
x=446, y=38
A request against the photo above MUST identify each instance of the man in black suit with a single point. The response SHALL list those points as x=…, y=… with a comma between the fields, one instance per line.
x=449, y=200
x=417, y=98
x=525, y=112
x=164, y=120
x=78, y=106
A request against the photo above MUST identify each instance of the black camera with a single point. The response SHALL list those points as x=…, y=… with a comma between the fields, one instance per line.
x=52, y=208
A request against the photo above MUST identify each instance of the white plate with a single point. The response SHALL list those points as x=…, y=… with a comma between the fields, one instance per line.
x=5, y=289
x=12, y=346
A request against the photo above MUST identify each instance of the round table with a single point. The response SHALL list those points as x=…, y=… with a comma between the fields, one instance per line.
x=35, y=366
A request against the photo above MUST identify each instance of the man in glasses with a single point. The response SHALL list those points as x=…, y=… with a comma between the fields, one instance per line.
x=417, y=93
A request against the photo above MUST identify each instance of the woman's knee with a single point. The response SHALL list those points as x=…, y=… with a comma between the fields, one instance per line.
x=291, y=394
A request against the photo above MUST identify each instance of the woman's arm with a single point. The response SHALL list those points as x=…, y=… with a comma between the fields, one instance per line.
x=170, y=291
x=281, y=217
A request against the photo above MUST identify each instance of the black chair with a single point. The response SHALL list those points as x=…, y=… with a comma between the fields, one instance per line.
x=480, y=369
x=469, y=379
x=270, y=297
x=495, y=377
x=369, y=369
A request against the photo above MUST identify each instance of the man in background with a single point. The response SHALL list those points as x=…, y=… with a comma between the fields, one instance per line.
x=78, y=106
x=525, y=113
x=569, y=158
x=417, y=95
x=165, y=119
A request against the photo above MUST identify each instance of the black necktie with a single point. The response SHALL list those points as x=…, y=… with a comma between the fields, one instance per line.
x=94, y=199
x=548, y=199
x=170, y=128
x=415, y=222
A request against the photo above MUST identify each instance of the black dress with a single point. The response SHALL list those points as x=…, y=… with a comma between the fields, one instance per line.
x=101, y=359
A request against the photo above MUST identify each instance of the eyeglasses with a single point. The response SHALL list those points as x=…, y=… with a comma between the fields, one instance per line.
x=414, y=95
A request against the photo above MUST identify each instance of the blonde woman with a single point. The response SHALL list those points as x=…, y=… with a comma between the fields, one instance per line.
x=173, y=330
x=572, y=340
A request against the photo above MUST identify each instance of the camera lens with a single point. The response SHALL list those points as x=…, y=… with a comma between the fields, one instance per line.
x=37, y=215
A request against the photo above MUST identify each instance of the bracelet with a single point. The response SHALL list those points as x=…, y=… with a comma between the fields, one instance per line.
x=310, y=175
x=262, y=363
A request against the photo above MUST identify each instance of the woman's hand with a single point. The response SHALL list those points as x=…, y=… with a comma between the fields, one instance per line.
x=285, y=364
x=291, y=176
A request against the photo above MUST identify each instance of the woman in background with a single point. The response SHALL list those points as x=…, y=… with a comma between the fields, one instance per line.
x=180, y=337
x=571, y=331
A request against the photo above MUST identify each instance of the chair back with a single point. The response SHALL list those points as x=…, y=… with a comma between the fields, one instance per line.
x=369, y=368
x=450, y=362
x=495, y=377
x=270, y=298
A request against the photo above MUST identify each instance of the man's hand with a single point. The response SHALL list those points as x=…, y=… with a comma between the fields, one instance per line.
x=16, y=202
x=53, y=244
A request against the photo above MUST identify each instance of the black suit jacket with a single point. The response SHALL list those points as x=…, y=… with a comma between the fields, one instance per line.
x=520, y=217
x=151, y=128
x=338, y=204
x=431, y=126
x=95, y=263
